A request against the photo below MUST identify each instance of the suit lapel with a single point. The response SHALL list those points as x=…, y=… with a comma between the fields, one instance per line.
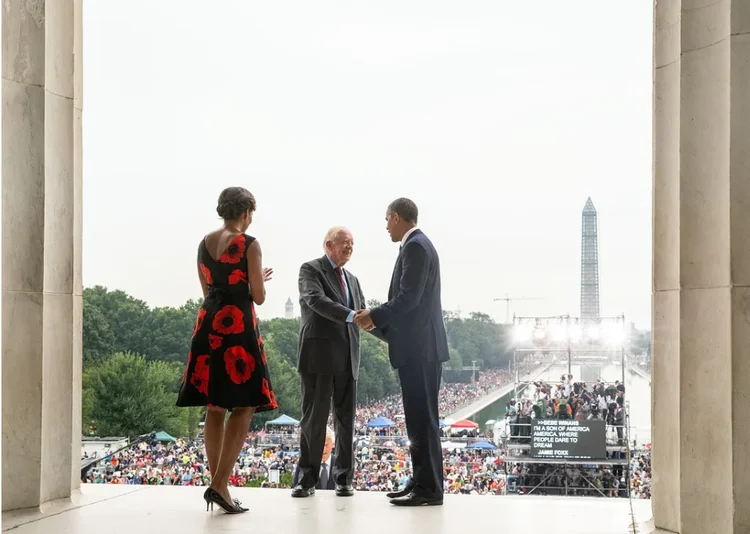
x=333, y=279
x=353, y=290
x=395, y=277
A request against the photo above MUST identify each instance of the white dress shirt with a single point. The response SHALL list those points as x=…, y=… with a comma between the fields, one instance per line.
x=407, y=234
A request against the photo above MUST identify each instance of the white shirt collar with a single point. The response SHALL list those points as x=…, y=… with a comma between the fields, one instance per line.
x=408, y=233
x=333, y=263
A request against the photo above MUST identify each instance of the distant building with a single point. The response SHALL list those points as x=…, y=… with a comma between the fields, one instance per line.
x=289, y=309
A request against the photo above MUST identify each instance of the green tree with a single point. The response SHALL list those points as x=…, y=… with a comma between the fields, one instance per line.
x=193, y=416
x=171, y=332
x=478, y=338
x=376, y=376
x=98, y=338
x=282, y=335
x=280, y=342
x=127, y=319
x=113, y=321
x=88, y=403
x=640, y=342
x=129, y=396
x=456, y=360
x=285, y=380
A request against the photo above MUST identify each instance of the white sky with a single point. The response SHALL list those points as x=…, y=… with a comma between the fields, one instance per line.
x=498, y=118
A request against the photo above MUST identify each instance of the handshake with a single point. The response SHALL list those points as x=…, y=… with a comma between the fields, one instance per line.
x=363, y=320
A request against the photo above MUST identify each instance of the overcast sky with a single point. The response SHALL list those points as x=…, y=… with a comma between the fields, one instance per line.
x=497, y=118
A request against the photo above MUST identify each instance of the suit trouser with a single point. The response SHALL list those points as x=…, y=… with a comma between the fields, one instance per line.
x=420, y=384
x=317, y=391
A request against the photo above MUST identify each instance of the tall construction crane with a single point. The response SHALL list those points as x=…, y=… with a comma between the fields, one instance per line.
x=508, y=300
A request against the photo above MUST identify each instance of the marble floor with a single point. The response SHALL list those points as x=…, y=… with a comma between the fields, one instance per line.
x=165, y=509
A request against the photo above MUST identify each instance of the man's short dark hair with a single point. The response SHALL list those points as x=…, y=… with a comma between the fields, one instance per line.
x=405, y=208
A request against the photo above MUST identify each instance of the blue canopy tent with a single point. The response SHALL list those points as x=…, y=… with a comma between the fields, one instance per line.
x=381, y=422
x=484, y=445
x=283, y=420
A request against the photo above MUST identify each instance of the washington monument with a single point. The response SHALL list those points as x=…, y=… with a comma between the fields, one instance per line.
x=589, y=263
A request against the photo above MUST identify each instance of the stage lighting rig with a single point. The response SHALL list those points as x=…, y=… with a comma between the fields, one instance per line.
x=564, y=329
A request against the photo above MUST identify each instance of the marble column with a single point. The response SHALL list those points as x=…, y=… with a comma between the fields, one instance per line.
x=701, y=271
x=41, y=251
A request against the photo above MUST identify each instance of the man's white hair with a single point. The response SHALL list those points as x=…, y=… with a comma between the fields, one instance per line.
x=331, y=235
x=330, y=435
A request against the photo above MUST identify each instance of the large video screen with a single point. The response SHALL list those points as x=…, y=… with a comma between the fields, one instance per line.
x=564, y=439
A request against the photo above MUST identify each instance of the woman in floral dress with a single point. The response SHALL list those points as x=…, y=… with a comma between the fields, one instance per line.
x=227, y=368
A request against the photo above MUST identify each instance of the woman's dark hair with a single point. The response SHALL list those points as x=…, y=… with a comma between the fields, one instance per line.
x=234, y=202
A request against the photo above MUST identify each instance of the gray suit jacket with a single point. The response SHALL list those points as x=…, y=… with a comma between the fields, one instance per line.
x=326, y=341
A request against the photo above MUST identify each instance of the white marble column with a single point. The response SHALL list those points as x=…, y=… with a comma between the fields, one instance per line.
x=77, y=361
x=701, y=300
x=41, y=282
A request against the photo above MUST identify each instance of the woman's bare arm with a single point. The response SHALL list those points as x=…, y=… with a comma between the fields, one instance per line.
x=255, y=273
x=204, y=285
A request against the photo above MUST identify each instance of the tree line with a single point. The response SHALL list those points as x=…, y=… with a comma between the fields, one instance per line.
x=134, y=358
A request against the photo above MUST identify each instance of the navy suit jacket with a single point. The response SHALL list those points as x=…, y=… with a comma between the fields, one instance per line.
x=412, y=319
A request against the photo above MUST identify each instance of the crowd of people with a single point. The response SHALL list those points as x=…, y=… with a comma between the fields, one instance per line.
x=470, y=472
x=184, y=462
x=640, y=474
x=455, y=396
x=578, y=400
x=452, y=397
x=569, y=400
x=383, y=466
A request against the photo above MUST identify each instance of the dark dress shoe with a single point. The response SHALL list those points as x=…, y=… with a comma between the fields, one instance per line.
x=400, y=493
x=344, y=490
x=413, y=499
x=301, y=491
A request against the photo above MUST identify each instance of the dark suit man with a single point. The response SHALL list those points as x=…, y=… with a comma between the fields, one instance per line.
x=325, y=480
x=328, y=362
x=412, y=323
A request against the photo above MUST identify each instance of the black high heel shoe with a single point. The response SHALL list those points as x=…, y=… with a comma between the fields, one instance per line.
x=207, y=499
x=212, y=496
x=238, y=504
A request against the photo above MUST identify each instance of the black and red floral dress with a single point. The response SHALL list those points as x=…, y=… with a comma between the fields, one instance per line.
x=227, y=364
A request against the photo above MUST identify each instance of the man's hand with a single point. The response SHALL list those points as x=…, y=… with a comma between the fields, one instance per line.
x=267, y=274
x=363, y=320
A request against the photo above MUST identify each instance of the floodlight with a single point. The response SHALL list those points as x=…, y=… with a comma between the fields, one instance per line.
x=559, y=333
x=522, y=333
x=539, y=333
x=575, y=332
x=613, y=333
x=593, y=333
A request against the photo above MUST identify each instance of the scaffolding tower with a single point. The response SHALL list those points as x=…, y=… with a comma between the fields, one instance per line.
x=587, y=342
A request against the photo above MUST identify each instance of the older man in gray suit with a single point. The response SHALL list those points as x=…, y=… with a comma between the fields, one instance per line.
x=328, y=362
